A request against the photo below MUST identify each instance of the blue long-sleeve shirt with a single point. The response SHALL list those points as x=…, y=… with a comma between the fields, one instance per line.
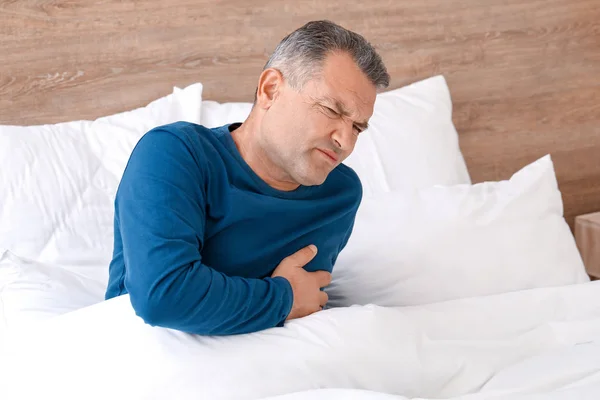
x=197, y=234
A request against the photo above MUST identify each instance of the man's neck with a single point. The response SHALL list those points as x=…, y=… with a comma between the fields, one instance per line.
x=244, y=137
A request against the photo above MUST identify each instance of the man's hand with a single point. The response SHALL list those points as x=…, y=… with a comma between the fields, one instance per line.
x=308, y=297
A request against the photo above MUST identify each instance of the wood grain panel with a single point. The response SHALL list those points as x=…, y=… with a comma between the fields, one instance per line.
x=524, y=75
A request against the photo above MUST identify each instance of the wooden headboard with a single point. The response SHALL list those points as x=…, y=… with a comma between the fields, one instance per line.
x=524, y=74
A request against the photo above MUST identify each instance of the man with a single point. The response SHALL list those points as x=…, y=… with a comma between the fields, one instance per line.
x=236, y=229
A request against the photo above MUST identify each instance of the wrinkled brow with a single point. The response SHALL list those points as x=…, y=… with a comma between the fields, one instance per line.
x=341, y=109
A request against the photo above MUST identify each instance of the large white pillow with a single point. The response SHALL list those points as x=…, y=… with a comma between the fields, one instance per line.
x=58, y=182
x=411, y=141
x=446, y=242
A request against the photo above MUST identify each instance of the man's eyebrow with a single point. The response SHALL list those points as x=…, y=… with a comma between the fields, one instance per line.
x=363, y=125
x=340, y=109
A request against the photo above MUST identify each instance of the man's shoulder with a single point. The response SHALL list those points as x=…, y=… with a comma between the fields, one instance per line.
x=183, y=143
x=347, y=180
x=188, y=132
x=195, y=140
x=348, y=173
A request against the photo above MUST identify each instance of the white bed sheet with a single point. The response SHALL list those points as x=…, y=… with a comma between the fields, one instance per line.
x=586, y=391
x=540, y=343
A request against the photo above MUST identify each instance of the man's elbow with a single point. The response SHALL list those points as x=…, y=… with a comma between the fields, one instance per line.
x=161, y=313
x=153, y=313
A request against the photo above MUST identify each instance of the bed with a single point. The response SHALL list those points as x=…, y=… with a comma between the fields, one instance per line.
x=484, y=149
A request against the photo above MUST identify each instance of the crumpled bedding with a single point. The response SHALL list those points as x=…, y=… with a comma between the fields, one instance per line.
x=539, y=343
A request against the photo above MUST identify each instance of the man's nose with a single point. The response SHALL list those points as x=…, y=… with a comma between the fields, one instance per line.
x=342, y=136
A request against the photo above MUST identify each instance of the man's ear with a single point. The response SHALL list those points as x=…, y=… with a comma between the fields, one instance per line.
x=270, y=83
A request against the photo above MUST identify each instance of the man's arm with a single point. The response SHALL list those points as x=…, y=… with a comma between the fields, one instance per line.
x=160, y=207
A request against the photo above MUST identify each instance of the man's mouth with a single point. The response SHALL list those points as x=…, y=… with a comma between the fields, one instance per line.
x=333, y=157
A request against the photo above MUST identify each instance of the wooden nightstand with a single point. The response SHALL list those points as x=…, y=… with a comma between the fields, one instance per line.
x=587, y=236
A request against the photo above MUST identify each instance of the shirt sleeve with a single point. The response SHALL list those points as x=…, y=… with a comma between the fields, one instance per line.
x=160, y=209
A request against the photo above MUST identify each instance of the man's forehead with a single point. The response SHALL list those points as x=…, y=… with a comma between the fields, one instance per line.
x=343, y=80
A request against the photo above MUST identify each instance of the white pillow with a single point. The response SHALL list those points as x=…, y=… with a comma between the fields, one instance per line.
x=31, y=291
x=411, y=141
x=216, y=114
x=421, y=246
x=58, y=182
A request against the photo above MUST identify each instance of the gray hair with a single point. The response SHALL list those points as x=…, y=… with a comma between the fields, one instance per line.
x=300, y=55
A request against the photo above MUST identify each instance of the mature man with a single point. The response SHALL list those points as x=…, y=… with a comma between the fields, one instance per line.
x=237, y=229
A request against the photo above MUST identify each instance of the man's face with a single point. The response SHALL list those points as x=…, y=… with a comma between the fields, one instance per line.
x=310, y=132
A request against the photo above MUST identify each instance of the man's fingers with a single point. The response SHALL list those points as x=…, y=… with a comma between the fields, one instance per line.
x=323, y=298
x=302, y=256
x=323, y=278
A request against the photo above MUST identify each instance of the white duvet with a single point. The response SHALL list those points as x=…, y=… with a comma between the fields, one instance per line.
x=539, y=343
